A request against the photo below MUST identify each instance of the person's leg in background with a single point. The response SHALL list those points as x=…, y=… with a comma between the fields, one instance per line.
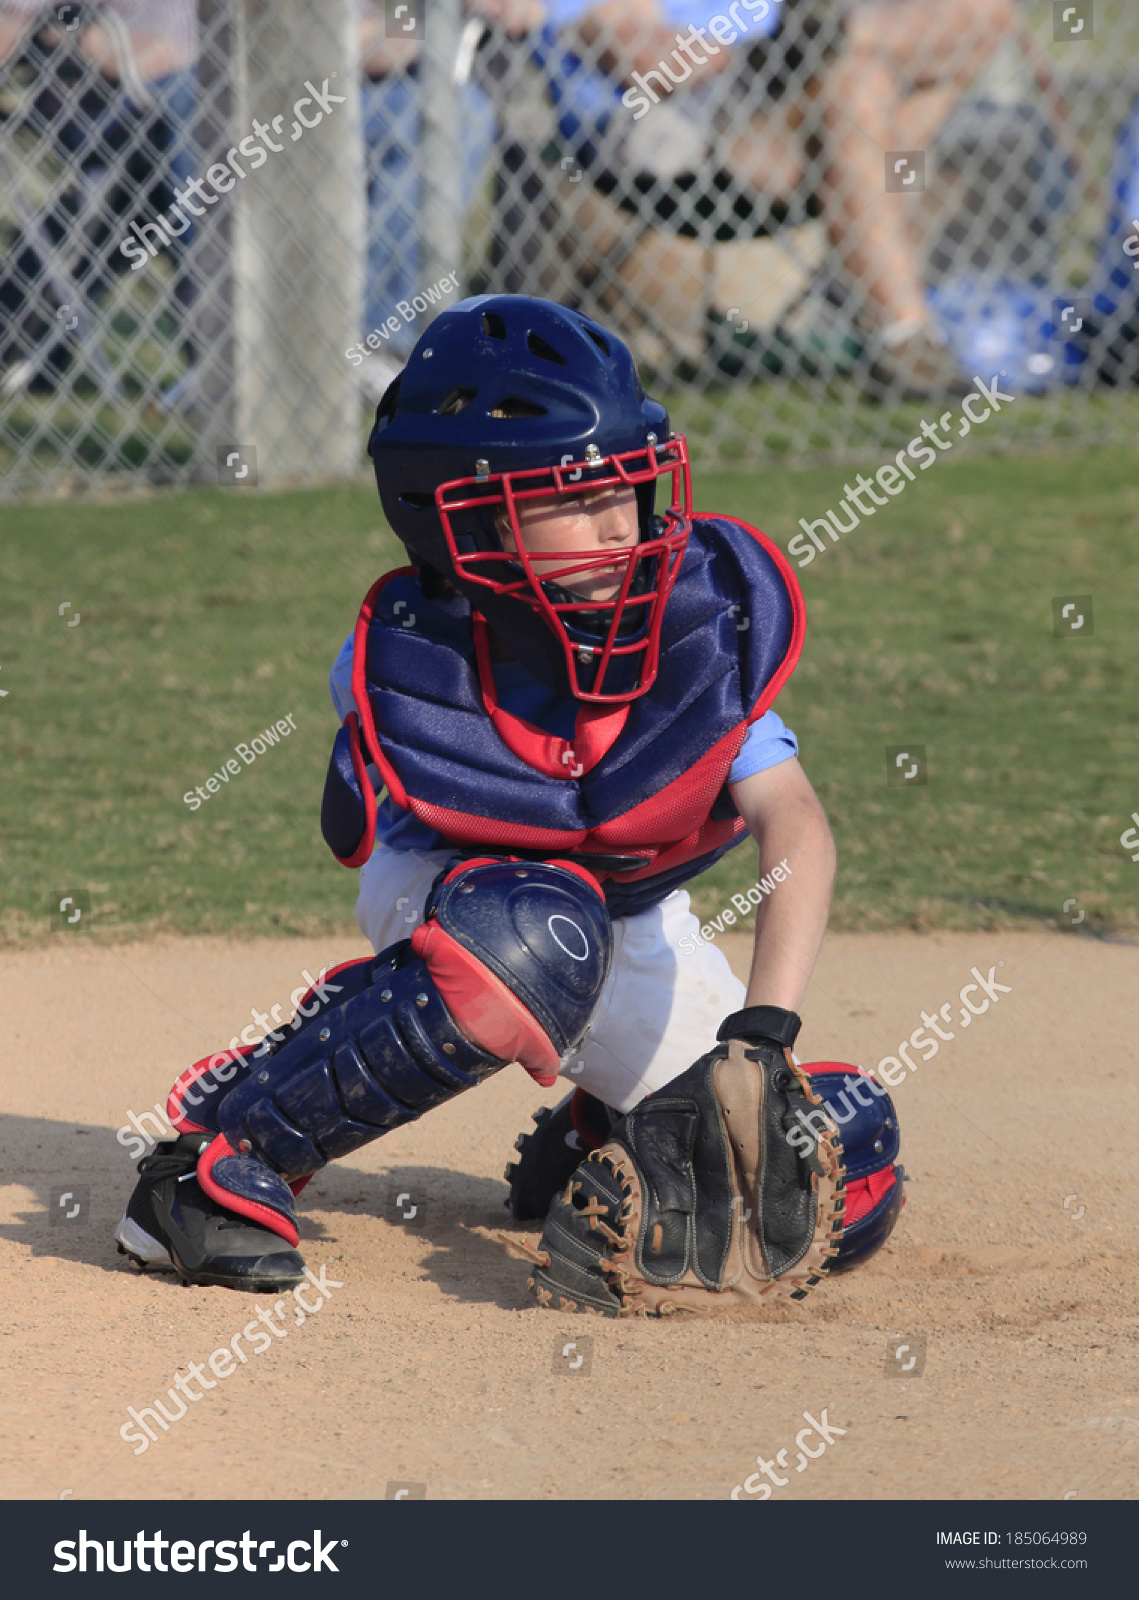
x=139, y=141
x=143, y=144
x=906, y=64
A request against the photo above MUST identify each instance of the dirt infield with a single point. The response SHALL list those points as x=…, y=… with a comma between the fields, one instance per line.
x=1014, y=1262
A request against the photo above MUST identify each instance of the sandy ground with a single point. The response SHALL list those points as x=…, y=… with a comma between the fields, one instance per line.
x=430, y=1366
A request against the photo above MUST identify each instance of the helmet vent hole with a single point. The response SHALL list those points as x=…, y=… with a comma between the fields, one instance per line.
x=512, y=406
x=493, y=325
x=389, y=404
x=537, y=346
x=451, y=404
x=601, y=343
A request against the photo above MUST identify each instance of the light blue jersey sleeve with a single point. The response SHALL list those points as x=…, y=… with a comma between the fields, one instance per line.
x=340, y=680
x=767, y=743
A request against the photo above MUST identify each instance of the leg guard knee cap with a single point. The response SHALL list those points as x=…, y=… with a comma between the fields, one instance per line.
x=520, y=952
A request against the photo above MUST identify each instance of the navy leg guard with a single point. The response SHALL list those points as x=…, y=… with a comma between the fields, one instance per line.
x=387, y=1056
x=868, y=1128
x=516, y=954
x=194, y=1102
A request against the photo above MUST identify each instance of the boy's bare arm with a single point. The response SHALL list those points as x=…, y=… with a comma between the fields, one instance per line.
x=785, y=818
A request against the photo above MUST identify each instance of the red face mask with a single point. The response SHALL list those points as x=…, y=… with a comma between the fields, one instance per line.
x=626, y=626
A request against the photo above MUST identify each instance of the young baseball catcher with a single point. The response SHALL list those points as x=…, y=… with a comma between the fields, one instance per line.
x=564, y=700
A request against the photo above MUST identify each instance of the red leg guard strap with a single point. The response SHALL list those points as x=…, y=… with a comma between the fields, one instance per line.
x=177, y=1115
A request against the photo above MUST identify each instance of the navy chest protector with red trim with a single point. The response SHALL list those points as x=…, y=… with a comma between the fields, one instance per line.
x=641, y=787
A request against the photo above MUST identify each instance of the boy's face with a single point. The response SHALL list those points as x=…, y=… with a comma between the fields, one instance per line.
x=582, y=524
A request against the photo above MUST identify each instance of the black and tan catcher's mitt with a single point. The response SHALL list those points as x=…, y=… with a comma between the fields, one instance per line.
x=698, y=1200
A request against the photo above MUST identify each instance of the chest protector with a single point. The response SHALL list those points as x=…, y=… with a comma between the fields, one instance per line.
x=641, y=787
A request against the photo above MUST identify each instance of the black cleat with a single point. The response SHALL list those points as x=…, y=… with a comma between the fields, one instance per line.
x=549, y=1157
x=172, y=1225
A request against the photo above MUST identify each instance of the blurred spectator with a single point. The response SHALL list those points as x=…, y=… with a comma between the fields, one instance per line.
x=127, y=129
x=148, y=48
x=675, y=114
x=790, y=119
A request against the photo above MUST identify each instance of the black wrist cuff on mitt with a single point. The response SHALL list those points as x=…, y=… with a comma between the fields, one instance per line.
x=755, y=1023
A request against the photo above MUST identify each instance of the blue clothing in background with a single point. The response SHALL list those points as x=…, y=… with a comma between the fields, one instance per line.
x=560, y=13
x=392, y=137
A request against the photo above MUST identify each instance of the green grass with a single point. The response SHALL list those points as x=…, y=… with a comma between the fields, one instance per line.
x=932, y=623
x=208, y=615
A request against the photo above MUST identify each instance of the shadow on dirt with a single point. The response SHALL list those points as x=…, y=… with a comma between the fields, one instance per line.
x=78, y=1180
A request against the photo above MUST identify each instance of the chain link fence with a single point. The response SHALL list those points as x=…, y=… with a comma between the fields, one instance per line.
x=224, y=224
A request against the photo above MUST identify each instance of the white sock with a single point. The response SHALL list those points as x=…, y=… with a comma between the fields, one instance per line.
x=896, y=333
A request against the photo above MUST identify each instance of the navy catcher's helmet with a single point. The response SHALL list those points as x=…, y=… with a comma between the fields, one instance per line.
x=509, y=399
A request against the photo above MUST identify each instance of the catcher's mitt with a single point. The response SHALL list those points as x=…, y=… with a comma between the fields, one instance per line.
x=698, y=1200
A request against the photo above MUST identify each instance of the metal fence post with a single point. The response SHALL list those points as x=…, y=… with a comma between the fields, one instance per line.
x=212, y=383
x=299, y=240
